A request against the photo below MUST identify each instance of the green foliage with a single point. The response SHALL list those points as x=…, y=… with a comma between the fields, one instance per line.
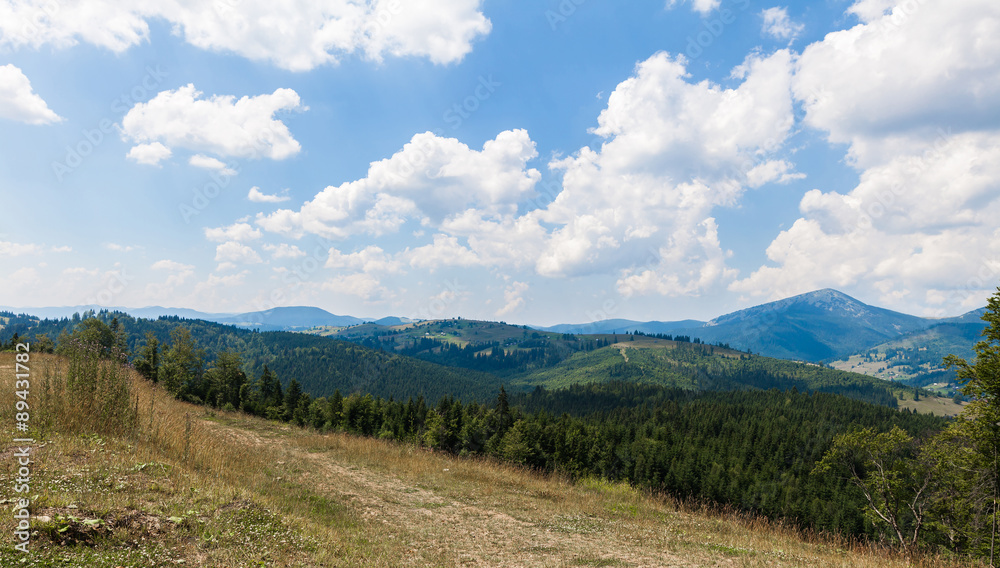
x=93, y=396
x=182, y=366
x=882, y=466
x=148, y=361
x=981, y=382
x=944, y=491
x=705, y=367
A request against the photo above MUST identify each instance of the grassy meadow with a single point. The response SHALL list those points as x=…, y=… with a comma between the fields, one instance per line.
x=165, y=483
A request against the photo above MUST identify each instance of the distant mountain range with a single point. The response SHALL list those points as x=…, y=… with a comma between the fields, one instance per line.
x=277, y=319
x=821, y=326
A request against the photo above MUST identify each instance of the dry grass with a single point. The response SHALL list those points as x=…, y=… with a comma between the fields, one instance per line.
x=940, y=406
x=222, y=489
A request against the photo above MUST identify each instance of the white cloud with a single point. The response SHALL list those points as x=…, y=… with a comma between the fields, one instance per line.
x=444, y=251
x=431, y=179
x=298, y=35
x=441, y=30
x=362, y=285
x=239, y=232
x=778, y=171
x=19, y=102
x=284, y=250
x=370, y=260
x=101, y=23
x=675, y=151
x=869, y=10
x=909, y=91
x=640, y=206
x=220, y=124
x=257, y=196
x=513, y=298
x=778, y=25
x=701, y=6
x=149, y=154
x=9, y=249
x=210, y=163
x=217, y=290
x=888, y=87
x=178, y=274
x=233, y=252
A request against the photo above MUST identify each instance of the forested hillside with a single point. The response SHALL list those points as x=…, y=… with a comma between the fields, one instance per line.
x=319, y=365
x=459, y=358
x=693, y=420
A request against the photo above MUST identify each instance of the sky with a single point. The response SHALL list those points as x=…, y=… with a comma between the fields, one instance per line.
x=530, y=161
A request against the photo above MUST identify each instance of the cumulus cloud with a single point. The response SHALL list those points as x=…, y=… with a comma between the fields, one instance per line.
x=364, y=286
x=298, y=35
x=778, y=25
x=257, y=196
x=177, y=274
x=891, y=85
x=370, y=260
x=701, y=6
x=431, y=179
x=284, y=250
x=674, y=151
x=239, y=232
x=18, y=102
x=513, y=298
x=149, y=154
x=908, y=91
x=210, y=163
x=220, y=125
x=9, y=249
x=232, y=253
x=444, y=251
x=779, y=171
x=640, y=206
x=120, y=248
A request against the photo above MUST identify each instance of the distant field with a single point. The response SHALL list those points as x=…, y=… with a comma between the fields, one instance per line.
x=941, y=406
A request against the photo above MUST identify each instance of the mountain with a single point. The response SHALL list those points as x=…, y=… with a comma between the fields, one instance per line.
x=817, y=326
x=276, y=319
x=622, y=326
x=916, y=357
x=821, y=326
x=287, y=319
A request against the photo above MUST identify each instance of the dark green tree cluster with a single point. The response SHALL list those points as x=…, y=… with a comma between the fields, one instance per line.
x=941, y=490
x=754, y=450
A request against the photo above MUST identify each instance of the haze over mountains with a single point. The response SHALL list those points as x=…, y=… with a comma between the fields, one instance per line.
x=820, y=326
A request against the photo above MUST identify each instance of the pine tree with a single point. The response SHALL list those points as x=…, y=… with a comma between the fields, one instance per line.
x=981, y=382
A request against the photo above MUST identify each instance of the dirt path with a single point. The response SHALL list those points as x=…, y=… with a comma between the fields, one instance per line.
x=470, y=531
x=622, y=349
x=452, y=517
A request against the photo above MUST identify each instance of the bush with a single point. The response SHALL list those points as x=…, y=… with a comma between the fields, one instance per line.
x=91, y=394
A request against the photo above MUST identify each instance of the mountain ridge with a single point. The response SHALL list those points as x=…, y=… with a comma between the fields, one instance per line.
x=820, y=326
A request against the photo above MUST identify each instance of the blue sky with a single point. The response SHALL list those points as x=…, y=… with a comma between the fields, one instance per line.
x=534, y=162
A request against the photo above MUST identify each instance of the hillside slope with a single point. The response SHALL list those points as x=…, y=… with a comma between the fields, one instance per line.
x=706, y=367
x=255, y=493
